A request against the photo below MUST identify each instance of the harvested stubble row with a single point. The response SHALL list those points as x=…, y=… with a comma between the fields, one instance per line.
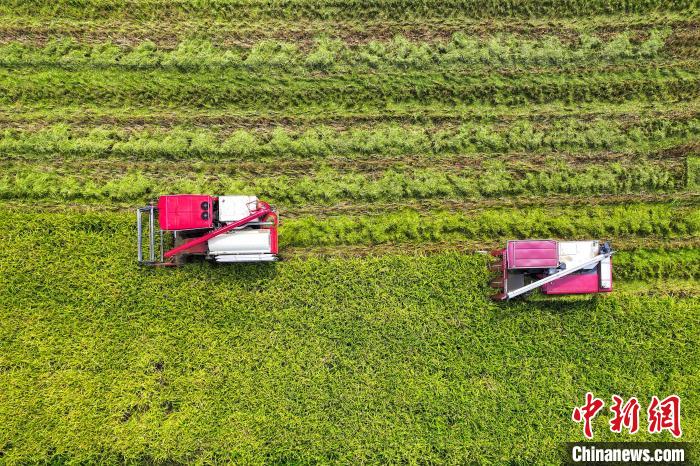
x=327, y=54
x=263, y=91
x=381, y=139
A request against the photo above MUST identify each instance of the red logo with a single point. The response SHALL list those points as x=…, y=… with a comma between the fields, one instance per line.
x=662, y=414
x=665, y=415
x=626, y=416
x=587, y=412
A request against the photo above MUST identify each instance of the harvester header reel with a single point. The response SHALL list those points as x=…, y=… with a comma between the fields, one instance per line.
x=555, y=267
x=222, y=229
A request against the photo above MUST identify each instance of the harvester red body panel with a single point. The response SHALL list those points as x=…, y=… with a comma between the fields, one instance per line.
x=532, y=254
x=185, y=212
x=555, y=267
x=236, y=228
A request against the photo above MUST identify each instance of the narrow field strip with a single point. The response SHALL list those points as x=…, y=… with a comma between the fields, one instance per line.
x=644, y=135
x=551, y=201
x=356, y=9
x=561, y=222
x=660, y=222
x=328, y=186
x=677, y=161
x=250, y=91
x=627, y=244
x=460, y=52
x=34, y=117
x=685, y=199
x=168, y=32
x=675, y=288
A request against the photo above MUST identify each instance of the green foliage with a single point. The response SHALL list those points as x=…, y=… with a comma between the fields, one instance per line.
x=397, y=359
x=661, y=264
x=298, y=10
x=333, y=54
x=309, y=361
x=197, y=54
x=381, y=139
x=694, y=173
x=328, y=186
x=272, y=53
x=324, y=54
x=493, y=224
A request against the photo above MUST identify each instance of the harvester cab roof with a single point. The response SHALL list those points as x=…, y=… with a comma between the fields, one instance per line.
x=238, y=228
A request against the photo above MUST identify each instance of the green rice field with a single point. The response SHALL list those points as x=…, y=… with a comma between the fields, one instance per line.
x=399, y=140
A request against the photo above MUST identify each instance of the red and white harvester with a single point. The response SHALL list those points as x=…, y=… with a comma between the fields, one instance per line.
x=556, y=267
x=222, y=229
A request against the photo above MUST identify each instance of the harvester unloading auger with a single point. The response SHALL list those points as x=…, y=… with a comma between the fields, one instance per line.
x=244, y=229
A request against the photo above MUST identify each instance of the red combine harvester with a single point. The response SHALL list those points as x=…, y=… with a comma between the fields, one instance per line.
x=557, y=267
x=222, y=229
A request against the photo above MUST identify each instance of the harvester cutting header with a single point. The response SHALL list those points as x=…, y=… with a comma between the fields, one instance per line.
x=222, y=229
x=243, y=228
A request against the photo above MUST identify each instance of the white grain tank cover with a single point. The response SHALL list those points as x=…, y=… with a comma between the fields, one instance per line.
x=247, y=241
x=232, y=208
x=572, y=253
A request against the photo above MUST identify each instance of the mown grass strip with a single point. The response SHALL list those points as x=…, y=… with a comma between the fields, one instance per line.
x=247, y=90
x=332, y=54
x=328, y=186
x=356, y=9
x=572, y=134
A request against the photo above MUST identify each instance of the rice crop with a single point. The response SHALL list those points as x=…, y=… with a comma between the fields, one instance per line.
x=400, y=141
